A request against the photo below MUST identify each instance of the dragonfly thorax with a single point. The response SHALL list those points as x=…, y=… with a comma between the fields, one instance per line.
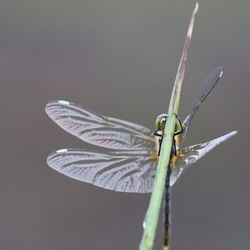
x=160, y=125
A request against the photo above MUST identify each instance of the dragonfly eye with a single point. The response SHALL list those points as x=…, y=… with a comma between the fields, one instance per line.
x=160, y=121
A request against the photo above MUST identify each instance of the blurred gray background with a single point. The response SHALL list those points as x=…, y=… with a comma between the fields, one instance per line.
x=119, y=58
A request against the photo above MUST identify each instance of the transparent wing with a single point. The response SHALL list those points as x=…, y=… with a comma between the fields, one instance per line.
x=204, y=91
x=99, y=130
x=126, y=171
x=193, y=153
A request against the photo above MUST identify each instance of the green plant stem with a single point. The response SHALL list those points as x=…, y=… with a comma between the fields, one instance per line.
x=152, y=215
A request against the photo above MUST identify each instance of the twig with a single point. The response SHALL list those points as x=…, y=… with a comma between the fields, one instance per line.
x=152, y=215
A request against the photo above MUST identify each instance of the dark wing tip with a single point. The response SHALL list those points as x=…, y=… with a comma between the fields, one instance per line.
x=221, y=70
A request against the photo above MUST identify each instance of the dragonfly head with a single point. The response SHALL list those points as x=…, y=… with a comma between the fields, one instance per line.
x=160, y=121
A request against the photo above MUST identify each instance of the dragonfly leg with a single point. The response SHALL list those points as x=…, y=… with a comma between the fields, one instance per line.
x=158, y=132
x=160, y=144
x=180, y=131
x=174, y=150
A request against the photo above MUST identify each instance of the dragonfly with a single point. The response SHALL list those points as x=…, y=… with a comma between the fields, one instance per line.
x=126, y=154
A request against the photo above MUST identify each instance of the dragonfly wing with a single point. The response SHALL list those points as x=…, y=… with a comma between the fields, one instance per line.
x=204, y=91
x=99, y=130
x=192, y=154
x=122, y=171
